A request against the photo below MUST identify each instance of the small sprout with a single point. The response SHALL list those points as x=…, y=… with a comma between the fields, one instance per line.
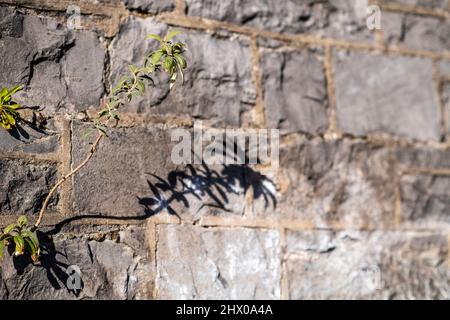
x=24, y=239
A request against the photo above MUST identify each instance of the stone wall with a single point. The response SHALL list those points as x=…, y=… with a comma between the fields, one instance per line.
x=359, y=207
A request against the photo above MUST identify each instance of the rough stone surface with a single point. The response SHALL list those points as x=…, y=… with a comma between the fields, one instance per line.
x=342, y=19
x=138, y=162
x=327, y=183
x=377, y=93
x=418, y=32
x=24, y=186
x=358, y=207
x=31, y=140
x=431, y=4
x=423, y=157
x=446, y=102
x=425, y=199
x=150, y=6
x=110, y=267
x=218, y=86
x=359, y=265
x=59, y=68
x=228, y=264
x=295, y=94
x=444, y=68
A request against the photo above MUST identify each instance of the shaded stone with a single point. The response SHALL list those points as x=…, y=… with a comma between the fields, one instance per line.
x=10, y=22
x=24, y=186
x=418, y=32
x=138, y=162
x=228, y=264
x=341, y=19
x=324, y=183
x=59, y=68
x=431, y=4
x=360, y=265
x=377, y=93
x=83, y=70
x=444, y=68
x=109, y=269
x=446, y=102
x=217, y=86
x=150, y=6
x=423, y=157
x=425, y=199
x=295, y=92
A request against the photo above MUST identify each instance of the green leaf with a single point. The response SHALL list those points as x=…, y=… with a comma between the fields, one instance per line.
x=133, y=69
x=156, y=56
x=181, y=61
x=32, y=249
x=153, y=36
x=168, y=64
x=22, y=221
x=171, y=34
x=9, y=228
x=20, y=245
x=32, y=236
x=2, y=249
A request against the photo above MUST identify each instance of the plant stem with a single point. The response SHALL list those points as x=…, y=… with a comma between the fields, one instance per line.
x=67, y=176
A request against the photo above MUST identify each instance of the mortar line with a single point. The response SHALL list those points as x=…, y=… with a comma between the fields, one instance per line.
x=65, y=166
x=294, y=39
x=438, y=92
x=151, y=238
x=180, y=7
x=284, y=285
x=259, y=108
x=333, y=129
x=412, y=9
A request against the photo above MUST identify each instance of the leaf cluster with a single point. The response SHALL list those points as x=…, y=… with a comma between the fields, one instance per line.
x=22, y=236
x=169, y=58
x=8, y=108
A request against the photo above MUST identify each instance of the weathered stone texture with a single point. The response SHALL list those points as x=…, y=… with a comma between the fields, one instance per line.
x=110, y=267
x=424, y=196
x=227, y=264
x=417, y=32
x=295, y=94
x=425, y=199
x=444, y=68
x=138, y=162
x=341, y=19
x=430, y=4
x=150, y=6
x=24, y=186
x=32, y=140
x=337, y=182
x=218, y=85
x=359, y=265
x=377, y=93
x=58, y=67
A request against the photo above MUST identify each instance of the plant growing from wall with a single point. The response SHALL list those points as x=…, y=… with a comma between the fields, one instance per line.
x=168, y=58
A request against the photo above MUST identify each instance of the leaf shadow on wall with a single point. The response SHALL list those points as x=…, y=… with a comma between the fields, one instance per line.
x=212, y=187
x=50, y=260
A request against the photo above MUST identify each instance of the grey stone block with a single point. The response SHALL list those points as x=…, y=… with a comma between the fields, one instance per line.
x=218, y=83
x=378, y=94
x=228, y=264
x=295, y=94
x=360, y=265
x=24, y=186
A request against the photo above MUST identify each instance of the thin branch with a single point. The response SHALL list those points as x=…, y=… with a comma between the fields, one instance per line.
x=67, y=176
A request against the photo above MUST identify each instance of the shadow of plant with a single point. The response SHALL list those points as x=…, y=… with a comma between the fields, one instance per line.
x=50, y=259
x=203, y=182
